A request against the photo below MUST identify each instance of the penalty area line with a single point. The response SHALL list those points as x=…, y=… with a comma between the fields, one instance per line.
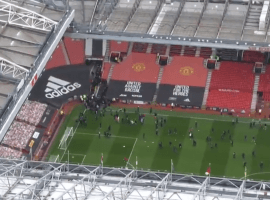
x=80, y=133
x=131, y=152
x=72, y=137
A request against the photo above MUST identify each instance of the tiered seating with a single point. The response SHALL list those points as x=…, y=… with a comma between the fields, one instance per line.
x=75, y=50
x=159, y=48
x=266, y=96
x=18, y=135
x=227, y=54
x=57, y=58
x=140, y=47
x=264, y=85
x=175, y=50
x=119, y=46
x=190, y=51
x=205, y=52
x=229, y=99
x=231, y=86
x=31, y=112
x=6, y=152
x=233, y=75
x=105, y=71
x=253, y=56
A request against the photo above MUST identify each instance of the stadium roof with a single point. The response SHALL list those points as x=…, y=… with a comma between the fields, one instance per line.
x=29, y=33
x=221, y=24
x=24, y=27
x=43, y=180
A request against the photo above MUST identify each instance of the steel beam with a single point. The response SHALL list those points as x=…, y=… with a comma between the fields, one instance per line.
x=239, y=195
x=178, y=15
x=202, y=189
x=25, y=18
x=244, y=23
x=126, y=180
x=88, y=176
x=224, y=13
x=8, y=67
x=163, y=185
x=158, y=9
x=33, y=186
x=198, y=25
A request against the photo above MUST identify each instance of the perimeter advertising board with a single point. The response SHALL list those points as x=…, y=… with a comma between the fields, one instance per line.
x=131, y=90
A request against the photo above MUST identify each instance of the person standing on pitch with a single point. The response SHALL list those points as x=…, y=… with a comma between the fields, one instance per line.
x=196, y=124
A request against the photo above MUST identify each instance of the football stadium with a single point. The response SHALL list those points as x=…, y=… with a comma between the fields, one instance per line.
x=135, y=99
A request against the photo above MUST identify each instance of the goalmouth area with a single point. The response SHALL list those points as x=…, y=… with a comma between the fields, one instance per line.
x=140, y=141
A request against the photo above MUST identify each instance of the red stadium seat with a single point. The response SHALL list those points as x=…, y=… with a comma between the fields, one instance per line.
x=264, y=85
x=57, y=58
x=175, y=50
x=233, y=75
x=119, y=46
x=75, y=50
x=229, y=99
x=253, y=56
x=205, y=52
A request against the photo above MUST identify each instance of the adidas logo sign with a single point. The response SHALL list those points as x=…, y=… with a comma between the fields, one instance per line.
x=57, y=87
x=186, y=100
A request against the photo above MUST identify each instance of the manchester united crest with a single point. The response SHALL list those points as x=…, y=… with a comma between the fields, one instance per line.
x=138, y=67
x=186, y=71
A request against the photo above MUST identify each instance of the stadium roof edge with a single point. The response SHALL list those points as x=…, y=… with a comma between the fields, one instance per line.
x=98, y=182
x=173, y=41
x=44, y=56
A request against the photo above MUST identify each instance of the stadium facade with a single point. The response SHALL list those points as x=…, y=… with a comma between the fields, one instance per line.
x=238, y=25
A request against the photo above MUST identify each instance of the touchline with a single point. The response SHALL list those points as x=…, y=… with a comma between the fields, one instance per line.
x=57, y=87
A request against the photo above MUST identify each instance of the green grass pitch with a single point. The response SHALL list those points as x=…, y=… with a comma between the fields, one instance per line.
x=127, y=141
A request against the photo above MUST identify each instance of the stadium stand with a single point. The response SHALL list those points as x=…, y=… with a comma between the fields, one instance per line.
x=75, y=50
x=139, y=47
x=233, y=75
x=231, y=86
x=137, y=67
x=6, y=152
x=175, y=50
x=159, y=48
x=189, y=51
x=57, y=59
x=264, y=84
x=185, y=71
x=227, y=54
x=233, y=99
x=105, y=71
x=118, y=46
x=266, y=96
x=253, y=56
x=31, y=112
x=18, y=135
x=205, y=52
